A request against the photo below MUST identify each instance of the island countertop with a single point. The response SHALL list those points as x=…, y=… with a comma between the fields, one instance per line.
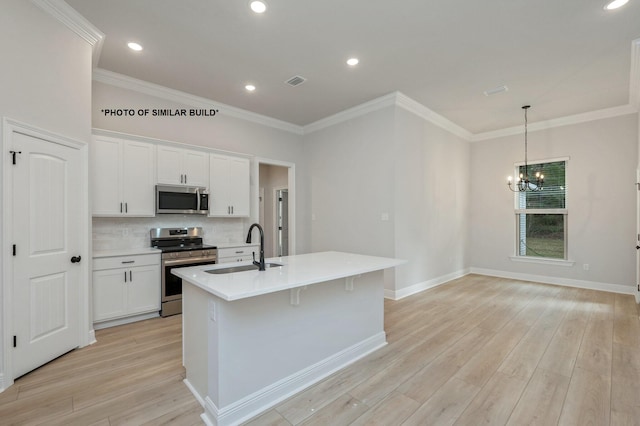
x=296, y=271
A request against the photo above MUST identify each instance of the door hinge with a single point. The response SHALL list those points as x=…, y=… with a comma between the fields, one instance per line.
x=14, y=249
x=15, y=341
x=13, y=154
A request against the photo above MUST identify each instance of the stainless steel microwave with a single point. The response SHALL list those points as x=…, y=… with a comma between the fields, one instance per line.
x=178, y=199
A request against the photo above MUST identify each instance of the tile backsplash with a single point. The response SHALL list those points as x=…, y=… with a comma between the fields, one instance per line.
x=124, y=233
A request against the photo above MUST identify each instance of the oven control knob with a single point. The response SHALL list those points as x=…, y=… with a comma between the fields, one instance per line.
x=190, y=254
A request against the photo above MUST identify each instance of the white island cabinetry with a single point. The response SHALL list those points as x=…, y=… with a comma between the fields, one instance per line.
x=229, y=186
x=251, y=339
x=126, y=288
x=123, y=173
x=178, y=166
x=237, y=253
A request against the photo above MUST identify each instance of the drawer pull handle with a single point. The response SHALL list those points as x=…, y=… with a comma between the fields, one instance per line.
x=129, y=261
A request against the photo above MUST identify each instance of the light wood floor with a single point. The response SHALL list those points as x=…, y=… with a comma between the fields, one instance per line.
x=478, y=350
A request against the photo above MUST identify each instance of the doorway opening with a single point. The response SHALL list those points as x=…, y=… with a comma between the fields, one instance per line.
x=276, y=207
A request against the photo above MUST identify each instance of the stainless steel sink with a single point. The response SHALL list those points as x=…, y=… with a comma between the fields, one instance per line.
x=240, y=268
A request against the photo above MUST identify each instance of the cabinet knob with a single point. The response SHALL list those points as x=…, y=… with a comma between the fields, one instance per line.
x=76, y=259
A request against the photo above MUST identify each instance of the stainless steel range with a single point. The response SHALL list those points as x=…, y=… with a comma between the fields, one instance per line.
x=181, y=247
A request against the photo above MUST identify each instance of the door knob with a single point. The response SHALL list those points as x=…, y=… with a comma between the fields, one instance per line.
x=76, y=259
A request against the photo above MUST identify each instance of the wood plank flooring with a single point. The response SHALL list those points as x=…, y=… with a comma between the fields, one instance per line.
x=478, y=350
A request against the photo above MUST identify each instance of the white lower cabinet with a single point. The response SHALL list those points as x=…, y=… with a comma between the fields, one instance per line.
x=125, y=287
x=238, y=254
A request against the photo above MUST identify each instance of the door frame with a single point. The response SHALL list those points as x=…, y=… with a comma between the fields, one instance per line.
x=291, y=186
x=86, y=332
x=637, y=286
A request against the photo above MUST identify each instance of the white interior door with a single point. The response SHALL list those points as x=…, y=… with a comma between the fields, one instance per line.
x=46, y=196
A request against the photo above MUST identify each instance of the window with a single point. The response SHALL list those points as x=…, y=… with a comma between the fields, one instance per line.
x=541, y=216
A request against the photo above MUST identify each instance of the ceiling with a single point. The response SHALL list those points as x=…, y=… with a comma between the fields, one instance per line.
x=562, y=57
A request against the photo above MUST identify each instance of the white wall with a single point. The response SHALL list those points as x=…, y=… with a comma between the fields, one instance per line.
x=45, y=77
x=601, y=201
x=431, y=201
x=45, y=81
x=219, y=132
x=352, y=173
x=392, y=163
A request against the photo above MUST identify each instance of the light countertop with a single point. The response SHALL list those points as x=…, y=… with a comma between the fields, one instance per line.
x=234, y=245
x=297, y=271
x=125, y=252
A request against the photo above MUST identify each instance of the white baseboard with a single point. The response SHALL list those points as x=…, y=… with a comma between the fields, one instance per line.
x=425, y=285
x=269, y=396
x=2, y=384
x=92, y=337
x=126, y=320
x=567, y=282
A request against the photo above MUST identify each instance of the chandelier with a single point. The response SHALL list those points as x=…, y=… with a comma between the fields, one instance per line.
x=524, y=183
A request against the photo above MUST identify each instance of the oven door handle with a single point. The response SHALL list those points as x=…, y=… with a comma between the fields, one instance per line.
x=188, y=261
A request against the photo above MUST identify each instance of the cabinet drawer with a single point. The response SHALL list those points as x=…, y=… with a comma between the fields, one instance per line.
x=235, y=252
x=237, y=258
x=125, y=261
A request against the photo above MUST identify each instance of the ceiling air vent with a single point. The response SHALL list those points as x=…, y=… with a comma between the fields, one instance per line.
x=296, y=80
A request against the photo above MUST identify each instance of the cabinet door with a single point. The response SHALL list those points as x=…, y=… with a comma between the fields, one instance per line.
x=238, y=191
x=106, y=175
x=219, y=204
x=109, y=294
x=170, y=165
x=143, y=289
x=138, y=177
x=196, y=168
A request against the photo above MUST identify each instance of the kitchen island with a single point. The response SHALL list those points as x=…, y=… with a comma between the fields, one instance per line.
x=252, y=339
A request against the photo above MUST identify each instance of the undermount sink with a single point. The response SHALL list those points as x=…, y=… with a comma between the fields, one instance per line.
x=241, y=268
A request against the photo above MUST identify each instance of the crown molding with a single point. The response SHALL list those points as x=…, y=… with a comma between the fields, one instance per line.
x=348, y=114
x=141, y=86
x=392, y=99
x=68, y=16
x=558, y=122
x=431, y=116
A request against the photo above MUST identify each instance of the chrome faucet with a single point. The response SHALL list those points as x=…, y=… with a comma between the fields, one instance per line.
x=259, y=264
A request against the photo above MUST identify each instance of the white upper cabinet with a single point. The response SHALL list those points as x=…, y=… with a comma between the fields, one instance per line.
x=123, y=174
x=177, y=166
x=229, y=188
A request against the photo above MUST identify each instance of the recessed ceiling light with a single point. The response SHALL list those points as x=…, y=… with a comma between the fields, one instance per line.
x=258, y=6
x=614, y=4
x=250, y=87
x=134, y=46
x=352, y=62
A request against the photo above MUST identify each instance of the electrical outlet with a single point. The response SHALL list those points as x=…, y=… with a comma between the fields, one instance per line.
x=585, y=266
x=125, y=232
x=384, y=217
